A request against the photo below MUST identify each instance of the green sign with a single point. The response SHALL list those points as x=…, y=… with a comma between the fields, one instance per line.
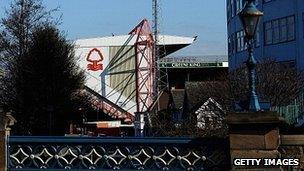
x=189, y=65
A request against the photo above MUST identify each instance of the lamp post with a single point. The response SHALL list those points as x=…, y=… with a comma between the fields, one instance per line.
x=250, y=17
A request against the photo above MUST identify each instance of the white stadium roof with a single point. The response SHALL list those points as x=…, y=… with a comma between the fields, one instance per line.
x=170, y=43
x=120, y=40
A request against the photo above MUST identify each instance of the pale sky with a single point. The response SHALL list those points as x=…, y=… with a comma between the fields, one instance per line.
x=97, y=18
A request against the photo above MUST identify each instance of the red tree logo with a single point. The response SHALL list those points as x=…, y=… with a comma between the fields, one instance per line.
x=95, y=62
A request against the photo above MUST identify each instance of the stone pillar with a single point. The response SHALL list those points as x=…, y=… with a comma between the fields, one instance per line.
x=2, y=150
x=254, y=135
x=5, y=121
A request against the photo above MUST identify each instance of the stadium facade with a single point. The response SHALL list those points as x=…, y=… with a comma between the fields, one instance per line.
x=113, y=77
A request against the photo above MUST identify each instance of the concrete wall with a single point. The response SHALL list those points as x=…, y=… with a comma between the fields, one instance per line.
x=292, y=146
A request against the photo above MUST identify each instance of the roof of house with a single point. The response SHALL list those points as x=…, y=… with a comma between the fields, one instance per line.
x=197, y=58
x=200, y=92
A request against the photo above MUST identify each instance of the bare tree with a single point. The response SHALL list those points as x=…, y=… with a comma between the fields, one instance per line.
x=278, y=83
x=16, y=33
x=21, y=19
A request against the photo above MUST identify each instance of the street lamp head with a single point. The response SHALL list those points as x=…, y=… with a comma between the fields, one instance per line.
x=250, y=17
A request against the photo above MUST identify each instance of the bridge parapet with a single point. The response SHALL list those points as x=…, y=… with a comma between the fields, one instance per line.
x=123, y=153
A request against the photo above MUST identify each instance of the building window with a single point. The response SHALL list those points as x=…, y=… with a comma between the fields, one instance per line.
x=283, y=30
x=276, y=31
x=240, y=41
x=229, y=45
x=257, y=37
x=268, y=33
x=279, y=30
x=232, y=8
x=237, y=41
x=256, y=2
x=239, y=5
x=291, y=28
x=303, y=26
x=228, y=10
x=265, y=1
x=243, y=42
x=233, y=43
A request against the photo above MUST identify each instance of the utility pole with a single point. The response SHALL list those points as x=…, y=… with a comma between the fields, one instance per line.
x=161, y=76
x=155, y=11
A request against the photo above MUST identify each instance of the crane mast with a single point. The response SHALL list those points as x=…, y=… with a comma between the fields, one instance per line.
x=155, y=12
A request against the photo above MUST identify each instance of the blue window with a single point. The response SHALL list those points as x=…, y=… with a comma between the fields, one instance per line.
x=265, y=1
x=283, y=29
x=276, y=31
x=228, y=10
x=239, y=5
x=279, y=30
x=268, y=33
x=240, y=41
x=290, y=28
x=257, y=37
x=231, y=44
x=232, y=8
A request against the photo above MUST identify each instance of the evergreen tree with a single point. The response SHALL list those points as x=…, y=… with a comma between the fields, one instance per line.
x=40, y=76
x=16, y=30
x=50, y=79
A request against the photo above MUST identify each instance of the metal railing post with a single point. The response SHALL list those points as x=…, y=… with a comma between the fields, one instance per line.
x=5, y=121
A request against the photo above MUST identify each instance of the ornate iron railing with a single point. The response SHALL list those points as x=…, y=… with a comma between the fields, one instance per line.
x=95, y=153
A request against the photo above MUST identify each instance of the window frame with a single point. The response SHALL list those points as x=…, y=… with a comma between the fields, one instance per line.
x=272, y=30
x=266, y=42
x=241, y=44
x=294, y=28
x=267, y=1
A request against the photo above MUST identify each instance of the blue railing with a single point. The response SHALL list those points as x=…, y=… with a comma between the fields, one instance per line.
x=95, y=153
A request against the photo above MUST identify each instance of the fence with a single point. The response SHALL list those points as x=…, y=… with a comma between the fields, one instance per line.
x=293, y=112
x=94, y=153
